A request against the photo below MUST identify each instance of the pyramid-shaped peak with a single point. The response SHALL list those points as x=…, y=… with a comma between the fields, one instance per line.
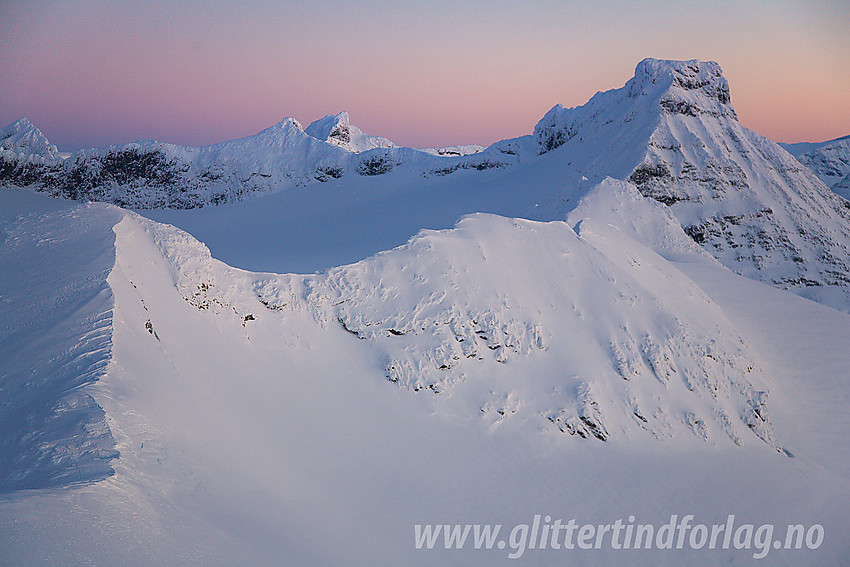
x=22, y=137
x=337, y=129
x=330, y=126
x=18, y=126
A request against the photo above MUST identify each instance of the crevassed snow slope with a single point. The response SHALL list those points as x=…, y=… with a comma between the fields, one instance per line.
x=258, y=419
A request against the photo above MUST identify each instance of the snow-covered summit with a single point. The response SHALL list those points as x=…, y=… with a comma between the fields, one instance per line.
x=689, y=88
x=671, y=130
x=689, y=84
x=337, y=129
x=23, y=138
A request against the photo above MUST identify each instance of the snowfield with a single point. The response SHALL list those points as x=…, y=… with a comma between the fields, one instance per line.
x=304, y=377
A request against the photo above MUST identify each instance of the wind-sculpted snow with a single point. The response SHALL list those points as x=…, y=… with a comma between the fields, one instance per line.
x=55, y=341
x=573, y=328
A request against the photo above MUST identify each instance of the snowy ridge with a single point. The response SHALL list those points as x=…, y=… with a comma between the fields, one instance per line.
x=463, y=150
x=55, y=341
x=495, y=331
x=831, y=162
x=150, y=174
x=797, y=149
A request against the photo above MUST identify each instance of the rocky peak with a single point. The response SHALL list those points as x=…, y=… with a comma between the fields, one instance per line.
x=337, y=129
x=22, y=137
x=686, y=87
x=331, y=128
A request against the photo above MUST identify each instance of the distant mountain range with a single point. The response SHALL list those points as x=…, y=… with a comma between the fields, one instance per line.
x=671, y=131
x=829, y=160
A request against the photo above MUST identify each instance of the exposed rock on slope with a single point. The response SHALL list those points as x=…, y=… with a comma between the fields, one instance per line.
x=336, y=129
x=158, y=175
x=672, y=132
x=829, y=160
x=580, y=329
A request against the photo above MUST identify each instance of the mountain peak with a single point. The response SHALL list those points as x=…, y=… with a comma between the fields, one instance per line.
x=22, y=137
x=692, y=77
x=337, y=129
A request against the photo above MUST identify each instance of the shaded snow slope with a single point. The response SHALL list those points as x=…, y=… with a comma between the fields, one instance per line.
x=55, y=340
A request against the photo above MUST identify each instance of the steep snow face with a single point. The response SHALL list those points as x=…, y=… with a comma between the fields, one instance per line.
x=336, y=129
x=750, y=204
x=671, y=131
x=23, y=138
x=578, y=329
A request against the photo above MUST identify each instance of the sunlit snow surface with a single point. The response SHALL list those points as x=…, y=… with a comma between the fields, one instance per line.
x=372, y=352
x=254, y=427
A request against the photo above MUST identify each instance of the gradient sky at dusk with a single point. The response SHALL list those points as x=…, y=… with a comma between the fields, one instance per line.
x=94, y=73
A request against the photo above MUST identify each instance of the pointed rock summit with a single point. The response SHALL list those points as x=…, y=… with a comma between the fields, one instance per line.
x=23, y=138
x=337, y=129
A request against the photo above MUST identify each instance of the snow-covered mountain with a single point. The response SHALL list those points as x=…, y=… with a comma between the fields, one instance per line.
x=23, y=138
x=336, y=129
x=671, y=130
x=171, y=398
x=829, y=160
x=739, y=195
x=578, y=344
x=446, y=310
x=152, y=174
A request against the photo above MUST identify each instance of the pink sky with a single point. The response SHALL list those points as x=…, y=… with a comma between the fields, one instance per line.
x=93, y=73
